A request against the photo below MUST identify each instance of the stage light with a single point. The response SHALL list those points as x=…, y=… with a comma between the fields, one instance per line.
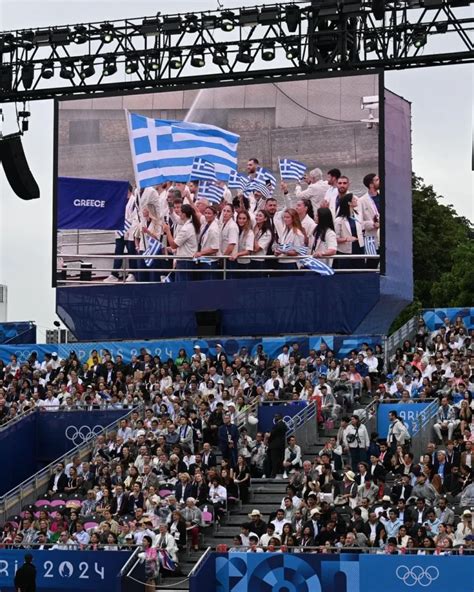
x=152, y=63
x=191, y=23
x=227, y=20
x=197, y=58
x=378, y=8
x=292, y=17
x=6, y=78
x=16, y=167
x=79, y=35
x=172, y=25
x=131, y=65
x=209, y=21
x=244, y=54
x=7, y=42
x=176, y=59
x=441, y=27
x=27, y=75
x=87, y=68
x=420, y=37
x=292, y=48
x=370, y=44
x=42, y=37
x=67, y=70
x=110, y=65
x=220, y=56
x=60, y=36
x=27, y=39
x=150, y=27
x=269, y=15
x=107, y=33
x=47, y=69
x=248, y=17
x=268, y=50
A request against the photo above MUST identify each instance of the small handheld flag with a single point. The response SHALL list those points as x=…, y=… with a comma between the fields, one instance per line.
x=203, y=170
x=291, y=170
x=210, y=191
x=154, y=248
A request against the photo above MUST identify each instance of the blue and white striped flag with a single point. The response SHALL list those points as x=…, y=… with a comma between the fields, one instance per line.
x=210, y=191
x=237, y=181
x=203, y=170
x=308, y=262
x=266, y=177
x=291, y=169
x=164, y=150
x=126, y=227
x=370, y=245
x=254, y=186
x=154, y=248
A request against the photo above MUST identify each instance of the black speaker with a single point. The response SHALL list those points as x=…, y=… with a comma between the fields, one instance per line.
x=16, y=168
x=208, y=322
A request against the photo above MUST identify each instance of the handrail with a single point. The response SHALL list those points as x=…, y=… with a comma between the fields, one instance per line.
x=199, y=561
x=7, y=500
x=426, y=416
x=17, y=418
x=299, y=419
x=129, y=560
x=406, y=331
x=341, y=550
x=242, y=416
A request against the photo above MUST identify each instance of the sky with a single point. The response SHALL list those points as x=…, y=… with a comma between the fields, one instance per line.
x=441, y=98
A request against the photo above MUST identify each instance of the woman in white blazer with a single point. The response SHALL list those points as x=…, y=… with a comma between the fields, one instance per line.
x=240, y=260
x=149, y=228
x=324, y=242
x=350, y=238
x=208, y=245
x=292, y=234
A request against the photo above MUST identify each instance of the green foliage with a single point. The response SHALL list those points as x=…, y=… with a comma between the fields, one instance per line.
x=443, y=254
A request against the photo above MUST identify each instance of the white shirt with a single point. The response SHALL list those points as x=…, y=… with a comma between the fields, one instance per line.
x=209, y=238
x=308, y=224
x=229, y=235
x=186, y=239
x=263, y=241
x=246, y=242
x=293, y=237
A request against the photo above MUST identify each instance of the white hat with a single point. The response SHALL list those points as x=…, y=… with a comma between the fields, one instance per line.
x=315, y=511
x=197, y=347
x=255, y=513
x=467, y=513
x=386, y=498
x=350, y=475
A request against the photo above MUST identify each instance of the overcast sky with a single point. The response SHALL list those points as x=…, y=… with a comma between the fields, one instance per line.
x=441, y=100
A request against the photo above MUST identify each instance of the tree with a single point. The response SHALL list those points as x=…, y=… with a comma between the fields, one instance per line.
x=443, y=254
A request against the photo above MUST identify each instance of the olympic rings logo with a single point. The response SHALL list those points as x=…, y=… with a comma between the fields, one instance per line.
x=83, y=434
x=417, y=575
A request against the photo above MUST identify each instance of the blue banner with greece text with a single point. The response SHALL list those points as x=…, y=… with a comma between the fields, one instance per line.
x=91, y=204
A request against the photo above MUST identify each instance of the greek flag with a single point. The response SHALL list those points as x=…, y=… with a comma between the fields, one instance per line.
x=210, y=191
x=254, y=186
x=237, y=181
x=266, y=177
x=291, y=169
x=370, y=246
x=126, y=227
x=165, y=560
x=203, y=170
x=308, y=262
x=153, y=248
x=164, y=150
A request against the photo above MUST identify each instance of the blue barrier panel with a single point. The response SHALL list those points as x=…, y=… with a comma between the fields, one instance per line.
x=43, y=436
x=434, y=317
x=66, y=570
x=411, y=413
x=17, y=333
x=313, y=572
x=169, y=348
x=266, y=413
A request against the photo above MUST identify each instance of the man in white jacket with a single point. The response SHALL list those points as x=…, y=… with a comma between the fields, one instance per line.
x=357, y=441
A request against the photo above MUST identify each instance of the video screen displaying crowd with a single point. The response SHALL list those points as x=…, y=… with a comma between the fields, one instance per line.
x=181, y=463
x=325, y=219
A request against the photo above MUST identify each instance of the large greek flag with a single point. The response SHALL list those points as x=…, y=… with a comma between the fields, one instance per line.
x=164, y=150
x=308, y=262
x=291, y=169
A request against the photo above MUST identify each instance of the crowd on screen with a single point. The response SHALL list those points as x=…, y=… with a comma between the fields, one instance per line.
x=184, y=459
x=325, y=217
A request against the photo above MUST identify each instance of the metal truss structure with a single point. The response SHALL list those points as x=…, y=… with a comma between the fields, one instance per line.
x=279, y=41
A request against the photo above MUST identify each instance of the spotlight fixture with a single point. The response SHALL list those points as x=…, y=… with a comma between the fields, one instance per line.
x=60, y=36
x=27, y=39
x=131, y=65
x=248, y=17
x=106, y=33
x=172, y=25
x=244, y=54
x=152, y=63
x=47, y=69
x=292, y=17
x=197, y=58
x=441, y=27
x=227, y=20
x=6, y=77
x=420, y=37
x=7, y=42
x=268, y=50
x=110, y=65
x=79, y=35
x=176, y=59
x=42, y=37
x=209, y=21
x=67, y=70
x=87, y=68
x=370, y=44
x=24, y=120
x=27, y=75
x=220, y=56
x=191, y=23
x=292, y=48
x=378, y=8
x=150, y=27
x=269, y=15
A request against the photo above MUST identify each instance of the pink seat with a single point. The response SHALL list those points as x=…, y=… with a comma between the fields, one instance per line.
x=74, y=503
x=164, y=492
x=89, y=525
x=57, y=502
x=42, y=502
x=207, y=516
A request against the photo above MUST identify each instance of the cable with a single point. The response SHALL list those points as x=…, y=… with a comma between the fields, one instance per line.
x=313, y=112
x=160, y=586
